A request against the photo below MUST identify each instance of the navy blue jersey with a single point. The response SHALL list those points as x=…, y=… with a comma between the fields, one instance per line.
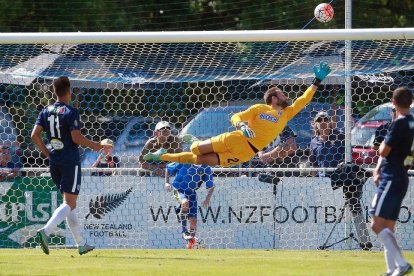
x=400, y=139
x=329, y=153
x=380, y=133
x=58, y=121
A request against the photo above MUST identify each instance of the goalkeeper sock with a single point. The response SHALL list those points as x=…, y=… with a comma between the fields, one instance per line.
x=58, y=216
x=182, y=157
x=390, y=243
x=73, y=223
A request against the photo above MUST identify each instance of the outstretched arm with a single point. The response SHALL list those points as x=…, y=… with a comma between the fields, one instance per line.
x=81, y=140
x=320, y=74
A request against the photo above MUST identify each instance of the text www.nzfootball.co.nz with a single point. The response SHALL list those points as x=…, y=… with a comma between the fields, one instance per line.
x=266, y=213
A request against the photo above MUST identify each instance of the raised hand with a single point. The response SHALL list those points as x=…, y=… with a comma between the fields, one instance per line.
x=322, y=71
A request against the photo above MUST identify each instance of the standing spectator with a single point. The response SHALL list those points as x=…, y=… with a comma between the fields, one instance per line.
x=327, y=147
x=9, y=168
x=391, y=178
x=382, y=130
x=328, y=151
x=106, y=159
x=163, y=138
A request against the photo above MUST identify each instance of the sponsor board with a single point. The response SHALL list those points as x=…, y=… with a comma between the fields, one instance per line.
x=137, y=212
x=25, y=206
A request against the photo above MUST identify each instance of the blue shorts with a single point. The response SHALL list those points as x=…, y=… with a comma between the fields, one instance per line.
x=67, y=178
x=389, y=196
x=191, y=196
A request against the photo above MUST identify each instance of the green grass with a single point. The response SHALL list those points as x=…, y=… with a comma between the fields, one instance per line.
x=192, y=262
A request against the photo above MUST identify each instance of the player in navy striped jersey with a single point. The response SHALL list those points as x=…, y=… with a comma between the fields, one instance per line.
x=391, y=177
x=62, y=125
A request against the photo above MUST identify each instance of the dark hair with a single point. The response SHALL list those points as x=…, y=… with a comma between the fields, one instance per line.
x=272, y=92
x=403, y=97
x=61, y=86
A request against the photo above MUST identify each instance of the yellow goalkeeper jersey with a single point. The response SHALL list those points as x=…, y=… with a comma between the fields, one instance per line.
x=268, y=123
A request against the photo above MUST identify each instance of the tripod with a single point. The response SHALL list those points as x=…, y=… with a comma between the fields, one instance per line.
x=350, y=236
x=353, y=203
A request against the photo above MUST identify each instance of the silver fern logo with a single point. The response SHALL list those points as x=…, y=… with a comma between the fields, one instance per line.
x=104, y=204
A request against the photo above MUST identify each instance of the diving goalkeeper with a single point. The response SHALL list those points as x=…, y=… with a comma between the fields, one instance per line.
x=264, y=123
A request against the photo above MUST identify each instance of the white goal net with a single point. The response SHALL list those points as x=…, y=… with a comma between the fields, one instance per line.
x=125, y=89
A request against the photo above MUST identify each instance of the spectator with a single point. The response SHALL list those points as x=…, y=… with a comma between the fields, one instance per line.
x=106, y=159
x=382, y=130
x=283, y=147
x=282, y=152
x=9, y=167
x=163, y=138
x=327, y=148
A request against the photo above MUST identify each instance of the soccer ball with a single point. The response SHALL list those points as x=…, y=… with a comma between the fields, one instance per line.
x=324, y=12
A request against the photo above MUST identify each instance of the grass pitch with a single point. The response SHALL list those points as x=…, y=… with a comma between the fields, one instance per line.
x=192, y=262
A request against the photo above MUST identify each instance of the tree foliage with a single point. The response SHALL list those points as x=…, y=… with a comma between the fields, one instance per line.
x=179, y=15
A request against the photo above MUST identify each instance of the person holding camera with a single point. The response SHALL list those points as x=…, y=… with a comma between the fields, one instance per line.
x=106, y=159
x=328, y=151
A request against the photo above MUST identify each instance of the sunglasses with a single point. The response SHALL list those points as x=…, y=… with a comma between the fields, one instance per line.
x=322, y=119
x=393, y=110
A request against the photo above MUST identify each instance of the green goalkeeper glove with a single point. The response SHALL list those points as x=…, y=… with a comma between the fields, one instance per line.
x=247, y=131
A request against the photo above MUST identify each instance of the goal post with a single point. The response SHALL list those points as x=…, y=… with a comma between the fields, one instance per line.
x=129, y=82
x=207, y=36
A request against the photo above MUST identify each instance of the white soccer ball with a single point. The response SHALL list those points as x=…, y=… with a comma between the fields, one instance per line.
x=324, y=12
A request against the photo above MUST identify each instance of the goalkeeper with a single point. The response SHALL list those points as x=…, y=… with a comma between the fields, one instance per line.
x=188, y=180
x=264, y=123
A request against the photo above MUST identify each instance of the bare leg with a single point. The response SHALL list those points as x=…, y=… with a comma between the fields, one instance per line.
x=205, y=147
x=210, y=159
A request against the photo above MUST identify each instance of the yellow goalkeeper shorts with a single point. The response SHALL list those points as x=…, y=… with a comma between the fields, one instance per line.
x=232, y=148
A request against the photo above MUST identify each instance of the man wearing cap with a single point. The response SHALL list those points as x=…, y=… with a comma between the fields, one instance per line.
x=106, y=159
x=328, y=145
x=163, y=138
x=328, y=151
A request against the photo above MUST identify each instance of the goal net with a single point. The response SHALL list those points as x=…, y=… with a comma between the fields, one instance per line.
x=125, y=89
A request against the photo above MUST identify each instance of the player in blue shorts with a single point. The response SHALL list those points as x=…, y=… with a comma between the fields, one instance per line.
x=390, y=175
x=187, y=181
x=62, y=125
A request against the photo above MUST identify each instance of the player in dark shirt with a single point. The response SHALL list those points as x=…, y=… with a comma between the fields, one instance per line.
x=382, y=130
x=62, y=125
x=391, y=178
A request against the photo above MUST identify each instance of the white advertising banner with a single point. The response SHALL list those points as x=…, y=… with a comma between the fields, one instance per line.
x=298, y=213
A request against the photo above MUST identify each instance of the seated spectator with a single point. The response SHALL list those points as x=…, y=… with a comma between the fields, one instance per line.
x=106, y=159
x=163, y=138
x=9, y=166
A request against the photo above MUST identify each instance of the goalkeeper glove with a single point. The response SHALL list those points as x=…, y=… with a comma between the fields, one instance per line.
x=247, y=131
x=321, y=72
